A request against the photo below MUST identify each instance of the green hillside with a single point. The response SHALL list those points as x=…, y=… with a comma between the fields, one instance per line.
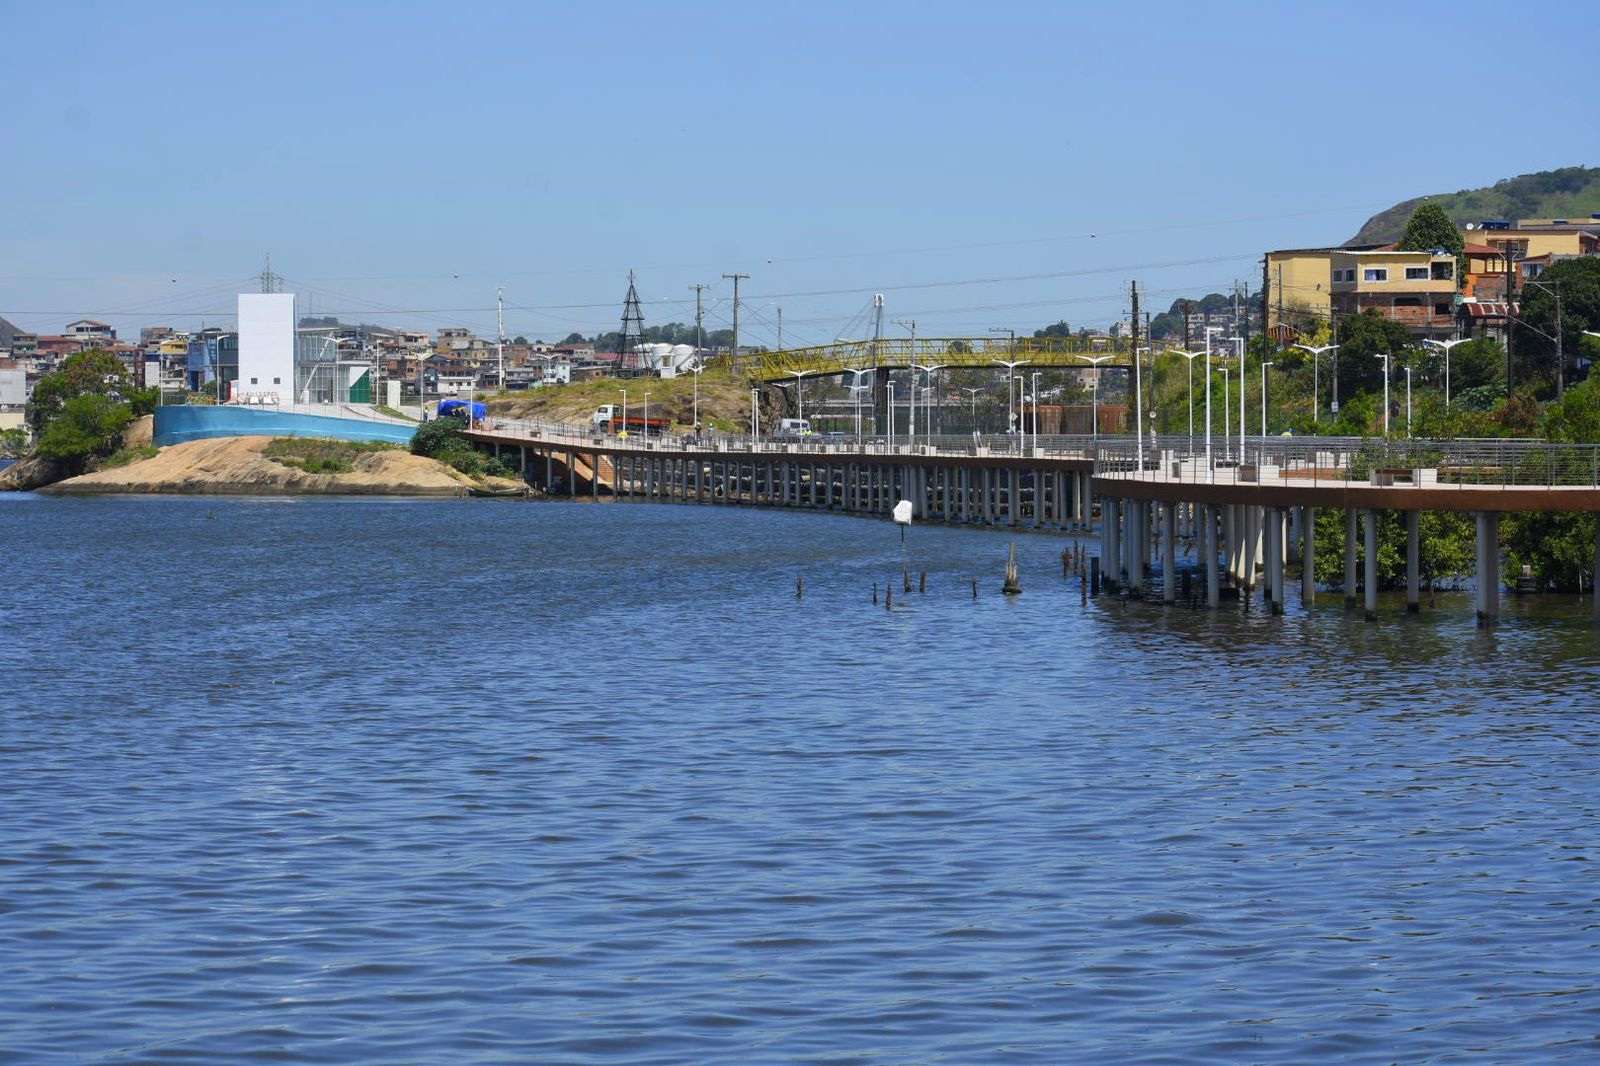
x=1570, y=192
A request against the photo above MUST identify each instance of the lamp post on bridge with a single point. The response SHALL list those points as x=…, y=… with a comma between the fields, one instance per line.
x=1264, y=366
x=1445, y=347
x=1094, y=398
x=973, y=393
x=856, y=389
x=1316, y=390
x=1011, y=369
x=1227, y=426
x=1209, y=331
x=928, y=370
x=799, y=393
x=624, y=428
x=1385, y=357
x=1191, y=357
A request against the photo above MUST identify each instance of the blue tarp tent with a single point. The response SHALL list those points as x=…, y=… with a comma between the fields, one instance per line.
x=463, y=409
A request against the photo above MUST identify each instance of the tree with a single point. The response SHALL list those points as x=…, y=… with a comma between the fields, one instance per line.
x=1578, y=281
x=1361, y=339
x=92, y=372
x=1429, y=228
x=86, y=425
x=1477, y=363
x=520, y=339
x=13, y=442
x=574, y=338
x=1055, y=329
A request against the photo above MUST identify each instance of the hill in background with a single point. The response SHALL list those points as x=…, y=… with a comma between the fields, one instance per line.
x=1570, y=192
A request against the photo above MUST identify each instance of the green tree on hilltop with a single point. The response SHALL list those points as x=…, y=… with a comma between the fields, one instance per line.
x=1429, y=228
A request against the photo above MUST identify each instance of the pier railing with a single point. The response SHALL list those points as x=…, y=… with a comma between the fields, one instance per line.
x=1374, y=461
x=1278, y=460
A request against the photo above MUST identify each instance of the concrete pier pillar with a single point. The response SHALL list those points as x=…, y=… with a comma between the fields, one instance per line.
x=1169, y=553
x=1370, y=548
x=1349, y=558
x=1014, y=496
x=1413, y=565
x=1275, y=558
x=1488, y=573
x=1208, y=549
x=1136, y=547
x=1308, y=556
x=1118, y=532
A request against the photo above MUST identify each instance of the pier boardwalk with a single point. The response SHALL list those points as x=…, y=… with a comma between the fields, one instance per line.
x=1246, y=501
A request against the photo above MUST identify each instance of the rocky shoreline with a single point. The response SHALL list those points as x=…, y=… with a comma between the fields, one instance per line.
x=234, y=466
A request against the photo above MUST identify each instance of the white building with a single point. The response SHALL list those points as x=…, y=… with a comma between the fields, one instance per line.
x=266, y=347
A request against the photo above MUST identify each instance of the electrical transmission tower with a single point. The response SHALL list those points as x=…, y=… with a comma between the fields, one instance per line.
x=269, y=280
x=632, y=322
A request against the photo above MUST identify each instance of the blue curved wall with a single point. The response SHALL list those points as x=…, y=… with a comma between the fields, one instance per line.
x=174, y=425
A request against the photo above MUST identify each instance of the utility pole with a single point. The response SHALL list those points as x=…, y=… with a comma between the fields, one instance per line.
x=1188, y=308
x=911, y=360
x=1138, y=399
x=699, y=320
x=735, y=278
x=500, y=333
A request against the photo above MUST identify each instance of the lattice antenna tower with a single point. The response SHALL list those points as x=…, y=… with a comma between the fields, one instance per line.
x=632, y=321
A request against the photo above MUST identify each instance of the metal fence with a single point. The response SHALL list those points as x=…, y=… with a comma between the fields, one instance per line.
x=1321, y=460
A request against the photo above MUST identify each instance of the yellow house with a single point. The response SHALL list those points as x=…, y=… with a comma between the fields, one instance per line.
x=1417, y=289
x=1300, y=288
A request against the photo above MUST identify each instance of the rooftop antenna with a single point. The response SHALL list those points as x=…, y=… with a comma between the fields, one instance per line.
x=269, y=280
x=632, y=322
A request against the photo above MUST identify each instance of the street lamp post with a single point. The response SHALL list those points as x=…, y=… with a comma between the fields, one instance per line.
x=1011, y=368
x=1316, y=387
x=928, y=418
x=1239, y=342
x=1445, y=347
x=1227, y=425
x=1036, y=375
x=1209, y=331
x=1384, y=356
x=1264, y=366
x=799, y=393
x=697, y=366
x=1191, y=357
x=889, y=442
x=647, y=418
x=973, y=393
x=1408, y=403
x=624, y=429
x=1094, y=397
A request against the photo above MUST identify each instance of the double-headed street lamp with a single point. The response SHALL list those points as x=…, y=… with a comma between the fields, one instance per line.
x=1011, y=368
x=973, y=393
x=1445, y=347
x=928, y=370
x=1094, y=396
x=857, y=388
x=1191, y=357
x=799, y=393
x=1316, y=387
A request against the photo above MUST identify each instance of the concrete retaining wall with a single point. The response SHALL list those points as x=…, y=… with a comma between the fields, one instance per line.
x=174, y=425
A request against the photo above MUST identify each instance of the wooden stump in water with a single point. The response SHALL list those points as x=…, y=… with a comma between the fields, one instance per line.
x=1012, y=587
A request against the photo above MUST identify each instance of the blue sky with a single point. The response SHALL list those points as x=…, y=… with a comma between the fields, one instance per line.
x=400, y=160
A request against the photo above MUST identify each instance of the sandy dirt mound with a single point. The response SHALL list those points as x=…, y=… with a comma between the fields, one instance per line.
x=234, y=466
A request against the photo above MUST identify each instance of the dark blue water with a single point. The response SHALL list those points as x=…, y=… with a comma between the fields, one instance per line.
x=484, y=782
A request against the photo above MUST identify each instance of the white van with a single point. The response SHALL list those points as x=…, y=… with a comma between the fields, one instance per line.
x=792, y=427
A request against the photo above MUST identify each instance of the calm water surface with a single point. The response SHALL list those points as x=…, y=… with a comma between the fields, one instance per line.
x=479, y=782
